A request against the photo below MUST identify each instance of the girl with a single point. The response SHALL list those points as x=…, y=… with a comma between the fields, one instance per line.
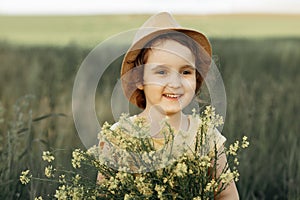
x=162, y=72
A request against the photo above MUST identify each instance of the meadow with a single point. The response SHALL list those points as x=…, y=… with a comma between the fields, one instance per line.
x=88, y=31
x=258, y=57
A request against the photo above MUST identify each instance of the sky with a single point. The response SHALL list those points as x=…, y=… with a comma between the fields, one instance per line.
x=90, y=7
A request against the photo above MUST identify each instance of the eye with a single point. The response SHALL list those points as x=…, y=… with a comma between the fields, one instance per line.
x=161, y=72
x=187, y=72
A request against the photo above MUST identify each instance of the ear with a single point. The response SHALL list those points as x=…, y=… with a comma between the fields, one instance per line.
x=140, y=86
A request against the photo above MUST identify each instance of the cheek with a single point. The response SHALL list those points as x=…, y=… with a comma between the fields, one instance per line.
x=190, y=84
x=152, y=90
x=155, y=81
x=147, y=76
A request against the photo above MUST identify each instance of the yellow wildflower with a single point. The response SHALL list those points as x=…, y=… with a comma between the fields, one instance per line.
x=160, y=189
x=143, y=186
x=211, y=186
x=47, y=156
x=49, y=171
x=25, y=177
x=76, y=179
x=227, y=177
x=205, y=163
x=197, y=198
x=77, y=193
x=93, y=151
x=77, y=158
x=61, y=193
x=236, y=175
x=233, y=148
x=62, y=179
x=128, y=197
x=180, y=170
x=122, y=176
x=113, y=184
x=236, y=161
x=245, y=142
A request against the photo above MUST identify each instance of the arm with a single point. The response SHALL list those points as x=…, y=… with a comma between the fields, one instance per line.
x=100, y=177
x=230, y=192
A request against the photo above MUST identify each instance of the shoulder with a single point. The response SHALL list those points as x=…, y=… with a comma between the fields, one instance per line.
x=219, y=138
x=118, y=123
x=115, y=126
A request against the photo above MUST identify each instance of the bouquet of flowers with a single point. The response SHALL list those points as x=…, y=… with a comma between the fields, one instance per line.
x=132, y=165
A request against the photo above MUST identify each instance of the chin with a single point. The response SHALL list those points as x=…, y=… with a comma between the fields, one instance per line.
x=172, y=111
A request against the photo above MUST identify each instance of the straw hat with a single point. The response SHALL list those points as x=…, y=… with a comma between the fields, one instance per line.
x=158, y=24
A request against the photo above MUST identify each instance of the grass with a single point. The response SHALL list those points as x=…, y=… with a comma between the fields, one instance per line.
x=259, y=66
x=88, y=31
x=261, y=78
x=262, y=103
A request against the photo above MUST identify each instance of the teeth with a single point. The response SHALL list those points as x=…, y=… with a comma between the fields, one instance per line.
x=172, y=95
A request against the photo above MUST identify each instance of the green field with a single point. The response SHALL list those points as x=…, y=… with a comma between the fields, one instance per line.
x=40, y=57
x=91, y=30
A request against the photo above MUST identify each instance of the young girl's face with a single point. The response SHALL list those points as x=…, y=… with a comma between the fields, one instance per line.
x=169, y=80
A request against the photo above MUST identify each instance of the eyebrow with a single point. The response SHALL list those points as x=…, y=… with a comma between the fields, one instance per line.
x=189, y=66
x=158, y=66
x=166, y=67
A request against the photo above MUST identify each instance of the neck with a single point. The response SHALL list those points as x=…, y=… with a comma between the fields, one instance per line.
x=178, y=121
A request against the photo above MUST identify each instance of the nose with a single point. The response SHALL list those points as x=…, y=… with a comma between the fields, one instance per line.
x=174, y=80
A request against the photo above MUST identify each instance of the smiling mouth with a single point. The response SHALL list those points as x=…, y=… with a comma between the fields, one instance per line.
x=172, y=96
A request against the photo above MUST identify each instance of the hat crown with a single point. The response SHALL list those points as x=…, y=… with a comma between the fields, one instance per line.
x=161, y=20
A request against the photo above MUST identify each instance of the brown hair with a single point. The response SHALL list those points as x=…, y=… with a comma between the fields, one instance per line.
x=137, y=72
